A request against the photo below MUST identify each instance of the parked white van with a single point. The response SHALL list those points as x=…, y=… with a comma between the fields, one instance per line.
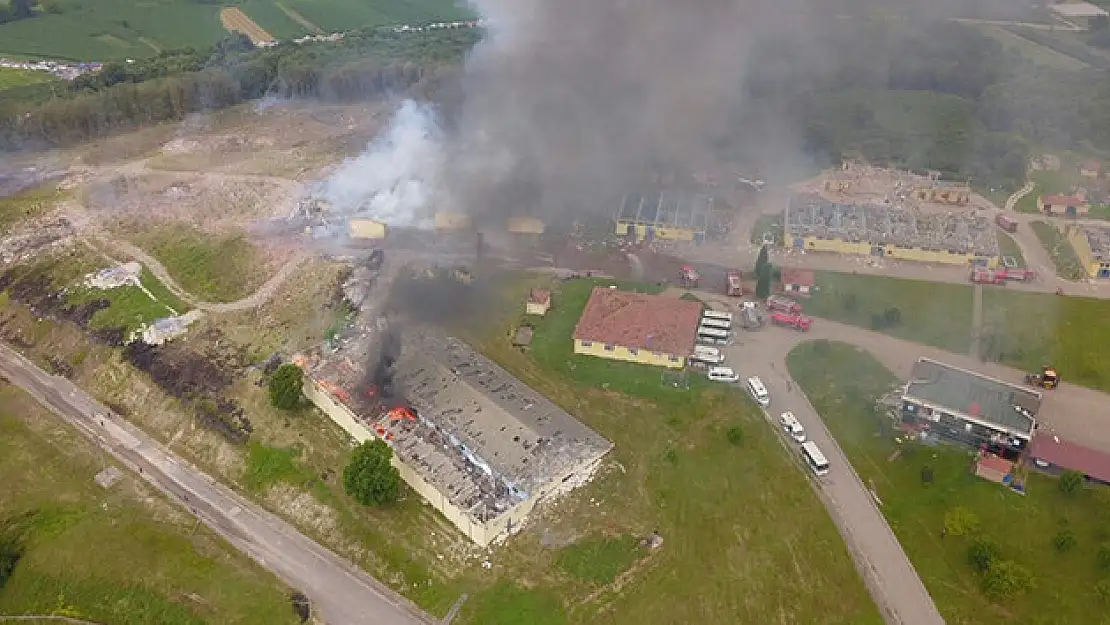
x=705, y=353
x=758, y=391
x=790, y=423
x=723, y=374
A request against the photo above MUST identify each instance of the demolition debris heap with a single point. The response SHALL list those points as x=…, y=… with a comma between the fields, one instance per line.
x=892, y=214
x=477, y=444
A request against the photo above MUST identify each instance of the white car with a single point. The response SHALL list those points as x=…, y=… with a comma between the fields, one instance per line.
x=723, y=374
x=790, y=423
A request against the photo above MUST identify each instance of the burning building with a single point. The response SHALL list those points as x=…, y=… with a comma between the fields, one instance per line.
x=474, y=442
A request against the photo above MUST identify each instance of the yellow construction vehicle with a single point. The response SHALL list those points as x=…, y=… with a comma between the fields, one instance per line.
x=1047, y=378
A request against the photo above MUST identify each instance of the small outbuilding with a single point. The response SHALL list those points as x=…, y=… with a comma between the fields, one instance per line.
x=539, y=302
x=797, y=281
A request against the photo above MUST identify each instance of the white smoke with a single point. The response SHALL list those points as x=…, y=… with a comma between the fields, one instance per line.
x=397, y=177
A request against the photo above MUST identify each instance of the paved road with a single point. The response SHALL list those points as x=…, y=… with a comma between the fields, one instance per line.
x=343, y=594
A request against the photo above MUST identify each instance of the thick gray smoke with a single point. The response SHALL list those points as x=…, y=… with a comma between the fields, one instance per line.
x=567, y=105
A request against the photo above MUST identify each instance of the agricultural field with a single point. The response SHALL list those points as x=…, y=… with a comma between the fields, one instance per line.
x=118, y=555
x=1041, y=555
x=1059, y=250
x=1035, y=52
x=111, y=30
x=934, y=313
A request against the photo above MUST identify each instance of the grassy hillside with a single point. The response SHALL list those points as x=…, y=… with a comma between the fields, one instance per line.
x=117, y=29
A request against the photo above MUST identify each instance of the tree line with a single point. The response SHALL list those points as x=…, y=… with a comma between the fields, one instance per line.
x=174, y=84
x=921, y=95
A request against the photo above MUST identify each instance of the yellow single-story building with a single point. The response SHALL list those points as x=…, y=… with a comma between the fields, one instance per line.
x=636, y=327
x=446, y=220
x=525, y=225
x=1092, y=246
x=366, y=229
x=814, y=243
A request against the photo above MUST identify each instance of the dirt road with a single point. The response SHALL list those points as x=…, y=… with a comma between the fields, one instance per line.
x=342, y=593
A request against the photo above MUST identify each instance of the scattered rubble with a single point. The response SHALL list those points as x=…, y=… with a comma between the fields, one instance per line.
x=126, y=274
x=168, y=328
x=108, y=477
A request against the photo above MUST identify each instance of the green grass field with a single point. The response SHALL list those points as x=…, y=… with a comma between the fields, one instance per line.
x=1059, y=250
x=131, y=307
x=1007, y=246
x=109, y=30
x=746, y=540
x=214, y=269
x=842, y=383
x=12, y=78
x=121, y=555
x=933, y=313
x=1027, y=330
x=112, y=30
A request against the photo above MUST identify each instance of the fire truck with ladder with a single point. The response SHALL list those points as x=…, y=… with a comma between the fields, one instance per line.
x=1000, y=276
x=797, y=321
x=782, y=303
x=689, y=277
x=734, y=287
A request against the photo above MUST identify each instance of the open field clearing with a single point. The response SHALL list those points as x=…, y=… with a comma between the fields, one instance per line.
x=709, y=460
x=1029, y=330
x=214, y=268
x=11, y=78
x=676, y=468
x=1039, y=54
x=116, y=555
x=112, y=30
x=1020, y=329
x=18, y=208
x=1068, y=583
x=933, y=313
x=1059, y=250
x=234, y=20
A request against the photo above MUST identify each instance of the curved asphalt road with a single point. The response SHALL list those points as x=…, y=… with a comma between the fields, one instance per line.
x=340, y=592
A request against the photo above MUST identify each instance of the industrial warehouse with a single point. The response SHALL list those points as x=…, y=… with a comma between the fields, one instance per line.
x=969, y=407
x=814, y=223
x=474, y=442
x=637, y=327
x=1092, y=246
x=666, y=215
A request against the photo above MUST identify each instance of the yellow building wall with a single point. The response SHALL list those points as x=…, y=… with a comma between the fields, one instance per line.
x=446, y=220
x=366, y=229
x=642, y=356
x=525, y=225
x=837, y=246
x=1082, y=248
x=667, y=234
x=474, y=529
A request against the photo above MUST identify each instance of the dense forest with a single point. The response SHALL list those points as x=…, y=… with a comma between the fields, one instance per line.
x=174, y=84
x=912, y=93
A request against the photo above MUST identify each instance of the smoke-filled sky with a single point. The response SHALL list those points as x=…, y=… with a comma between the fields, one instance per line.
x=567, y=104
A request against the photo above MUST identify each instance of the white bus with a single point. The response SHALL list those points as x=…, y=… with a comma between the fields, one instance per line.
x=713, y=335
x=706, y=354
x=717, y=314
x=815, y=458
x=720, y=324
x=758, y=391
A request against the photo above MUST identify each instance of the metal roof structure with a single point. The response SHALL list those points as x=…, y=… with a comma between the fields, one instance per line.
x=974, y=397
